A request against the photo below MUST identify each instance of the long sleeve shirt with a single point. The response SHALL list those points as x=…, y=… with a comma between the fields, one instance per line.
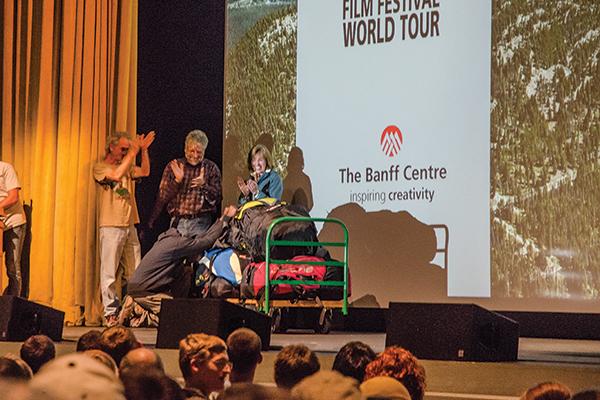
x=269, y=185
x=181, y=199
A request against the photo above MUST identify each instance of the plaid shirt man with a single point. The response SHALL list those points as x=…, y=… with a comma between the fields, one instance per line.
x=182, y=199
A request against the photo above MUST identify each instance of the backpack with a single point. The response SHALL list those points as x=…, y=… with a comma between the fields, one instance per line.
x=219, y=273
x=253, y=281
x=248, y=230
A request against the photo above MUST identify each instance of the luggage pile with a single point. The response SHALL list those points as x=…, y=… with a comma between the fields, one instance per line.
x=235, y=267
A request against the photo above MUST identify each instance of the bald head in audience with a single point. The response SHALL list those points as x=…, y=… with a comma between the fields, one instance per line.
x=141, y=358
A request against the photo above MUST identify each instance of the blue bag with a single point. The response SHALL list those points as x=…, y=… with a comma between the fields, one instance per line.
x=224, y=263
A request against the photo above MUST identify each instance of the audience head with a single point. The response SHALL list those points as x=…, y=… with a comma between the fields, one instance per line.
x=104, y=358
x=294, y=363
x=587, y=395
x=244, y=350
x=11, y=369
x=149, y=384
x=384, y=387
x=89, y=340
x=251, y=391
x=329, y=385
x=547, y=391
x=14, y=389
x=204, y=362
x=37, y=350
x=352, y=359
x=400, y=364
x=73, y=377
x=118, y=341
x=141, y=358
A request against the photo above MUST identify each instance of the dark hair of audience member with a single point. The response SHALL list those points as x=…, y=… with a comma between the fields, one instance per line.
x=150, y=384
x=547, y=391
x=401, y=365
x=590, y=394
x=10, y=369
x=252, y=391
x=89, y=340
x=294, y=363
x=352, y=359
x=118, y=341
x=102, y=357
x=37, y=350
x=244, y=351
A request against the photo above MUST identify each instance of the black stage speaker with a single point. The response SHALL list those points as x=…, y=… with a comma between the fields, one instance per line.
x=179, y=317
x=460, y=332
x=20, y=318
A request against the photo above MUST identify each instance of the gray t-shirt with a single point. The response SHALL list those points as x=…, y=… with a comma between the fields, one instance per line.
x=15, y=216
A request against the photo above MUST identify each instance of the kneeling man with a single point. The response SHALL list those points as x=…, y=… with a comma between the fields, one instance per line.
x=161, y=273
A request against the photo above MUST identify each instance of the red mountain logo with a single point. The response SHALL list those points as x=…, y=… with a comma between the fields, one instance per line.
x=391, y=139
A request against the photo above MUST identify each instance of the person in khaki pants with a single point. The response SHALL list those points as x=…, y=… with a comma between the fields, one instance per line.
x=120, y=250
x=13, y=223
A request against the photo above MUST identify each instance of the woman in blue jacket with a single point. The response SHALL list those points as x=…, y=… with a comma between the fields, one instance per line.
x=263, y=181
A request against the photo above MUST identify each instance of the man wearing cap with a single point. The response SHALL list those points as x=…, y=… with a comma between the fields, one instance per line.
x=13, y=223
x=190, y=188
x=204, y=364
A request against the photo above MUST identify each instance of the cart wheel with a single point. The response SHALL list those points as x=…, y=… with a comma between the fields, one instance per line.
x=278, y=322
x=324, y=322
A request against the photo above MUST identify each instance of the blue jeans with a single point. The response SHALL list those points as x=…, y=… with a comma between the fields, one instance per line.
x=190, y=227
x=12, y=241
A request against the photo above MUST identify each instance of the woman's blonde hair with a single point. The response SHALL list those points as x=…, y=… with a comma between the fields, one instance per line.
x=262, y=150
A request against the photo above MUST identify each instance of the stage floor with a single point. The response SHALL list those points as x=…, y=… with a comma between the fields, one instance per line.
x=575, y=363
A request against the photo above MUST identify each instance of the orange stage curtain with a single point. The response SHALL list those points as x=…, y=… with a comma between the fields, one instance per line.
x=68, y=80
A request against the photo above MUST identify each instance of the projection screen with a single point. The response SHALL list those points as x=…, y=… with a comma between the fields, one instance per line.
x=458, y=140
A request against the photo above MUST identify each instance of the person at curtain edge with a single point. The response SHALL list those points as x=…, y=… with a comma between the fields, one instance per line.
x=264, y=181
x=190, y=187
x=15, y=225
x=119, y=243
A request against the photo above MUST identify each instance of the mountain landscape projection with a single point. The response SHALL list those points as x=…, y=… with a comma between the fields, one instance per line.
x=545, y=122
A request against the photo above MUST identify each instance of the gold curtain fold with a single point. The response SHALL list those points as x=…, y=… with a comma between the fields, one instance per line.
x=68, y=80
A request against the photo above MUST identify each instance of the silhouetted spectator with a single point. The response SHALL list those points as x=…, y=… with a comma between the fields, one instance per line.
x=244, y=350
x=11, y=369
x=104, y=358
x=400, y=364
x=547, y=391
x=591, y=394
x=74, y=377
x=352, y=359
x=330, y=385
x=149, y=384
x=89, y=340
x=14, y=389
x=118, y=341
x=384, y=387
x=294, y=363
x=141, y=358
x=252, y=391
x=37, y=350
